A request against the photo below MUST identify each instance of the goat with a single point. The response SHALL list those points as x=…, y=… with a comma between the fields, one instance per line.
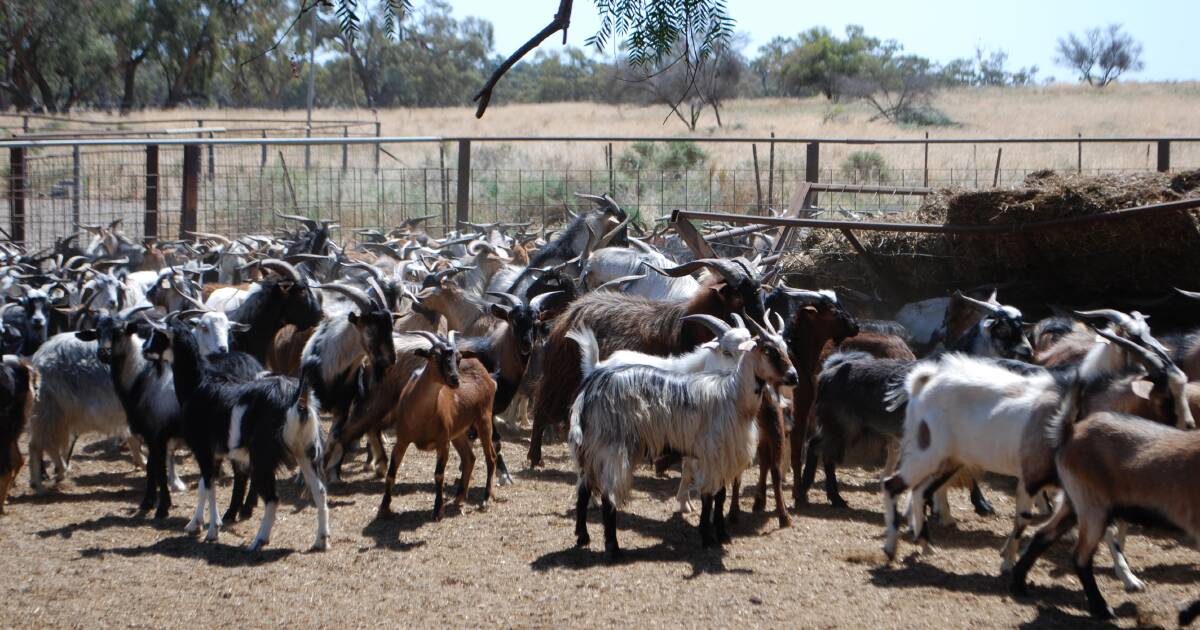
x=206, y=387
x=273, y=425
x=1114, y=466
x=720, y=354
x=335, y=352
x=445, y=398
x=971, y=413
x=571, y=241
x=146, y=391
x=271, y=304
x=624, y=414
x=18, y=386
x=624, y=322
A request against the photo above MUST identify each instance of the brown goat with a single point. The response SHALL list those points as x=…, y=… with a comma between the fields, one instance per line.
x=628, y=322
x=287, y=349
x=18, y=385
x=436, y=408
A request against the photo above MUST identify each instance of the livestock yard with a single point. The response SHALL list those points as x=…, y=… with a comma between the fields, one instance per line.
x=980, y=317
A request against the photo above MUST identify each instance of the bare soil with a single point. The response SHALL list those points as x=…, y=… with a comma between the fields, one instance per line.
x=77, y=557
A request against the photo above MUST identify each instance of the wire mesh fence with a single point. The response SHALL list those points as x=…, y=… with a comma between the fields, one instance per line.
x=240, y=186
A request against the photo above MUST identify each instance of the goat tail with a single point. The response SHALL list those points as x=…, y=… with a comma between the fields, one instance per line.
x=1059, y=428
x=913, y=384
x=575, y=435
x=589, y=348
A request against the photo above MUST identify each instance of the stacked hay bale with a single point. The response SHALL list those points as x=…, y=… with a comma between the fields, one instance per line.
x=1147, y=254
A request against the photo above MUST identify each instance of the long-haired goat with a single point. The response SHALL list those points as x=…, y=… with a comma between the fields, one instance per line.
x=624, y=322
x=627, y=414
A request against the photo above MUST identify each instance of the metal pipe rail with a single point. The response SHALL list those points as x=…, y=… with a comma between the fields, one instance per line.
x=873, y=226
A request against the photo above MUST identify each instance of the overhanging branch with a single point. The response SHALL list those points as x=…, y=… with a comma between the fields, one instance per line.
x=561, y=21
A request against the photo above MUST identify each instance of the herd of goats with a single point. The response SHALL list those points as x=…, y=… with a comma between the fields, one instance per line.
x=234, y=348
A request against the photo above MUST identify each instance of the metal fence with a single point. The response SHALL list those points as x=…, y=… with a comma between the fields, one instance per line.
x=164, y=186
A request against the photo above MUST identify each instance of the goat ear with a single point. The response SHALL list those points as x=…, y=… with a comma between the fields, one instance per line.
x=353, y=317
x=501, y=311
x=468, y=354
x=811, y=309
x=747, y=345
x=238, y=326
x=131, y=328
x=422, y=352
x=86, y=335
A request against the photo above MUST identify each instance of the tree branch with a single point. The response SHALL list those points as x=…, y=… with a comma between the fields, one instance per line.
x=561, y=21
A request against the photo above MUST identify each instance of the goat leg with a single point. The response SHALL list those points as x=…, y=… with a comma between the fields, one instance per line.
x=831, y=484
x=439, y=478
x=735, y=507
x=609, y=512
x=777, y=486
x=385, y=506
x=1062, y=521
x=583, y=495
x=706, y=508
x=719, y=517
x=466, y=458
x=982, y=506
x=505, y=478
x=160, y=478
x=151, y=495
x=237, y=497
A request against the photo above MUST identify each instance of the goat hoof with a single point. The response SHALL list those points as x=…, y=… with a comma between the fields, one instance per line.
x=161, y=514
x=322, y=544
x=785, y=521
x=760, y=505
x=505, y=479
x=192, y=527
x=256, y=545
x=178, y=486
x=985, y=509
x=384, y=514
x=1134, y=585
x=583, y=540
x=838, y=502
x=614, y=555
x=211, y=537
x=1102, y=612
x=230, y=516
x=733, y=517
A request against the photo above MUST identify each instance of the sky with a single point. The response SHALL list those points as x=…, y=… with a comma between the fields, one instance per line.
x=939, y=29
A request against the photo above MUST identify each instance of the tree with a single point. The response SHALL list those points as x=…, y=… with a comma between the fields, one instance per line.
x=52, y=52
x=986, y=69
x=128, y=25
x=1101, y=55
x=899, y=87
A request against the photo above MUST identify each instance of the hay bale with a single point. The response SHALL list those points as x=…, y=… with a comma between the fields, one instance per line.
x=1146, y=254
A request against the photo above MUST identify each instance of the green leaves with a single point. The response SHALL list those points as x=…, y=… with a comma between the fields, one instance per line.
x=394, y=12
x=651, y=29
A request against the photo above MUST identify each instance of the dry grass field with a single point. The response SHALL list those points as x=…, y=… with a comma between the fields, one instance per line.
x=1059, y=110
x=77, y=557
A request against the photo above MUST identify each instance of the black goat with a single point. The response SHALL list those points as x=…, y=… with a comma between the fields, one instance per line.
x=571, y=241
x=271, y=304
x=18, y=384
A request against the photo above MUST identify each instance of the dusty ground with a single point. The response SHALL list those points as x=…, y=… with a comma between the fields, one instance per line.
x=78, y=558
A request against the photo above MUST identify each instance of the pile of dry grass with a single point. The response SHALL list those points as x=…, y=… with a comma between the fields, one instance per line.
x=1147, y=254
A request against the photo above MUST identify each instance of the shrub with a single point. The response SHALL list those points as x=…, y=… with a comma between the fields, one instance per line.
x=864, y=166
x=670, y=156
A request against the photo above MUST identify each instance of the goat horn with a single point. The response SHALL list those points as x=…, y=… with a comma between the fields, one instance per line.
x=1188, y=294
x=616, y=282
x=113, y=262
x=754, y=327
x=187, y=297
x=604, y=201
x=133, y=310
x=308, y=223
x=607, y=238
x=433, y=339
x=1112, y=315
x=737, y=319
x=212, y=237
x=540, y=299
x=1149, y=359
x=283, y=268
x=717, y=326
x=354, y=294
x=512, y=299
x=805, y=296
x=980, y=304
x=191, y=312
x=382, y=297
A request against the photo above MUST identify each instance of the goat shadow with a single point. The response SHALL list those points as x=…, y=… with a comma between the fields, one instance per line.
x=188, y=547
x=678, y=542
x=110, y=521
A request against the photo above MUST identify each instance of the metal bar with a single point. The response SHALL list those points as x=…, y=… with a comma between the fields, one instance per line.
x=873, y=226
x=801, y=198
x=463, y=207
x=728, y=139
x=1079, y=156
x=812, y=165
x=211, y=160
x=735, y=232
x=771, y=172
x=16, y=194
x=76, y=183
x=886, y=190
x=287, y=179
x=692, y=237
x=925, y=179
x=345, y=149
x=150, y=219
x=191, y=190
x=996, y=175
x=377, y=146
x=1164, y=156
x=757, y=178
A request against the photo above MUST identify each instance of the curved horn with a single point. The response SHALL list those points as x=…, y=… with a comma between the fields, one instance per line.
x=192, y=300
x=1112, y=315
x=382, y=297
x=805, y=296
x=134, y=310
x=191, y=312
x=980, y=304
x=283, y=268
x=433, y=339
x=308, y=223
x=1188, y=294
x=512, y=299
x=754, y=327
x=737, y=319
x=607, y=238
x=114, y=262
x=617, y=282
x=354, y=294
x=212, y=237
x=717, y=326
x=1150, y=359
x=540, y=299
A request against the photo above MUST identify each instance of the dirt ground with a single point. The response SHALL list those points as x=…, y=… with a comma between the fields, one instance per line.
x=77, y=557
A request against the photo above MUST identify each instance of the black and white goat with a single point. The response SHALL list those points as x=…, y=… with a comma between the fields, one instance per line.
x=627, y=414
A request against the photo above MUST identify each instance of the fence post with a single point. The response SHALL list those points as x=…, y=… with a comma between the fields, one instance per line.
x=996, y=176
x=150, y=220
x=1164, y=156
x=377, y=147
x=925, y=178
x=757, y=179
x=16, y=194
x=812, y=166
x=345, y=148
x=307, y=147
x=464, y=181
x=262, y=158
x=1079, y=155
x=25, y=124
x=75, y=185
x=211, y=160
x=191, y=190
x=771, y=172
